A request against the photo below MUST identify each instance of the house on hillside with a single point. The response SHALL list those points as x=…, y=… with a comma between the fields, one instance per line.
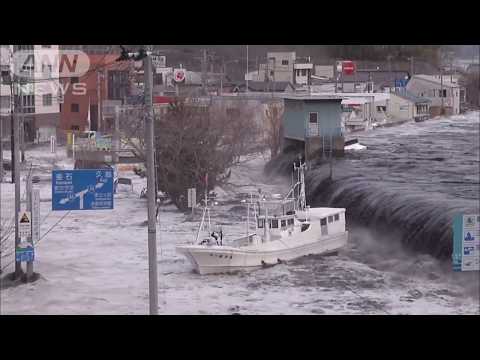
x=440, y=91
x=313, y=124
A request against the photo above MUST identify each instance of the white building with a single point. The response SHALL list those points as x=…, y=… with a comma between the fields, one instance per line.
x=39, y=74
x=283, y=66
x=432, y=88
x=406, y=106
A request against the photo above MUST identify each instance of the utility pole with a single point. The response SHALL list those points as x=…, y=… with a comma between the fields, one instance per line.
x=29, y=208
x=451, y=67
x=204, y=72
x=149, y=142
x=441, y=90
x=99, y=106
x=223, y=74
x=1, y=148
x=16, y=123
x=116, y=135
x=246, y=77
x=12, y=125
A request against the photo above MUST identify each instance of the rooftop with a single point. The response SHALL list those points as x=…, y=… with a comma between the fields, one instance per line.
x=435, y=79
x=312, y=97
x=277, y=86
x=411, y=97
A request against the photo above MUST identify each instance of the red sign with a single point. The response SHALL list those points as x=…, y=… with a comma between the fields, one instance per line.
x=179, y=75
x=348, y=67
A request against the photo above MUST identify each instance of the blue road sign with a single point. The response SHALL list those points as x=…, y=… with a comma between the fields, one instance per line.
x=82, y=189
x=24, y=254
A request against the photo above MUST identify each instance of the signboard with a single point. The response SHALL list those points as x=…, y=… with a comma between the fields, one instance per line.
x=466, y=242
x=159, y=61
x=24, y=252
x=82, y=189
x=192, y=197
x=348, y=67
x=24, y=224
x=103, y=143
x=179, y=75
x=35, y=215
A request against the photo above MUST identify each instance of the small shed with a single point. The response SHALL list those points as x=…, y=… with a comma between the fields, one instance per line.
x=313, y=123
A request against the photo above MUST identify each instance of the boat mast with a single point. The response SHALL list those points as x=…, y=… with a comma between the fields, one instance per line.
x=266, y=232
x=248, y=217
x=302, y=187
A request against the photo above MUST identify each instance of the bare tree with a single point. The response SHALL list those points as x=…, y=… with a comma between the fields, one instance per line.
x=274, y=128
x=193, y=141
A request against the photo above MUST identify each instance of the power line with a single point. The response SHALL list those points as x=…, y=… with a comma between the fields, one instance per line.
x=44, y=235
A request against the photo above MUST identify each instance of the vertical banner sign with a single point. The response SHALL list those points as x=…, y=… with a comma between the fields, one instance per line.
x=24, y=224
x=466, y=242
x=35, y=215
x=192, y=197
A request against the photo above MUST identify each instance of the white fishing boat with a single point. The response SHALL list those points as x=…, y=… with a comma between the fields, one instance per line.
x=284, y=229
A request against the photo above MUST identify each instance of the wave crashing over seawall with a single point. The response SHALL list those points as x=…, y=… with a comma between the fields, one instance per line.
x=410, y=182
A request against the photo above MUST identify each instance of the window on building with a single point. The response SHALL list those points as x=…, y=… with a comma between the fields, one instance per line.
x=337, y=217
x=275, y=224
x=5, y=102
x=47, y=99
x=304, y=72
x=330, y=219
x=323, y=222
x=272, y=72
x=22, y=47
x=313, y=117
x=74, y=80
x=433, y=92
x=46, y=69
x=158, y=79
x=444, y=93
x=28, y=103
x=283, y=223
x=119, y=83
x=74, y=108
x=234, y=112
x=260, y=223
x=284, y=62
x=290, y=221
x=381, y=108
x=46, y=46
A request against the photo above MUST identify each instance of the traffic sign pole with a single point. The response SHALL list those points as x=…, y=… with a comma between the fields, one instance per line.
x=29, y=238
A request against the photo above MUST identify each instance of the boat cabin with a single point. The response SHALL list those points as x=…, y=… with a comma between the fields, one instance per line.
x=280, y=219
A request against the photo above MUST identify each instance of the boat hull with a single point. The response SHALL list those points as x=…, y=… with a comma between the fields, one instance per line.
x=225, y=259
